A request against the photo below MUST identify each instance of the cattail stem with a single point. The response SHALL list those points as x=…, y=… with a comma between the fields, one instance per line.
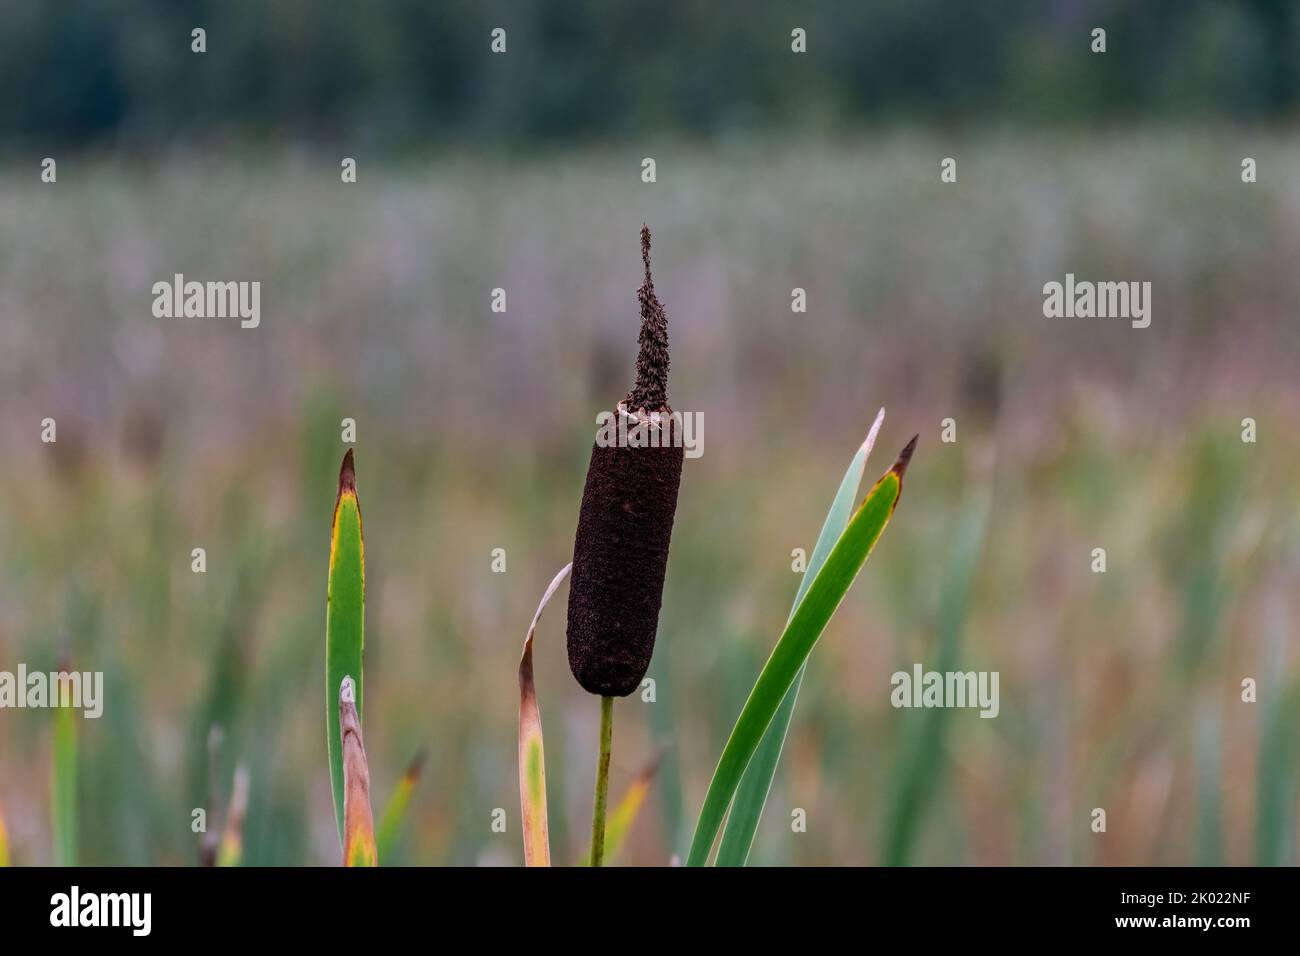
x=602, y=781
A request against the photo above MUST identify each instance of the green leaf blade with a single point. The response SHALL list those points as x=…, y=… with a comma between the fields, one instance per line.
x=63, y=789
x=344, y=622
x=923, y=760
x=801, y=633
x=394, y=815
x=756, y=784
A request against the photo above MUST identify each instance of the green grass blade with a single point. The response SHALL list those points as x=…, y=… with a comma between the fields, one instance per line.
x=747, y=808
x=625, y=812
x=796, y=643
x=344, y=621
x=923, y=751
x=390, y=824
x=532, y=755
x=63, y=785
x=1274, y=776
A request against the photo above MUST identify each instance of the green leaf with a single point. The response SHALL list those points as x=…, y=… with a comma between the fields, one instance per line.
x=63, y=784
x=4, y=842
x=390, y=824
x=1275, y=784
x=747, y=808
x=344, y=621
x=625, y=813
x=801, y=633
x=922, y=763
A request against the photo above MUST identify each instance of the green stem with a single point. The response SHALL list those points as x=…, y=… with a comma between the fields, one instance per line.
x=602, y=782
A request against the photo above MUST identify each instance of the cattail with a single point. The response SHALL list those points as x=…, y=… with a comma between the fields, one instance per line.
x=625, y=523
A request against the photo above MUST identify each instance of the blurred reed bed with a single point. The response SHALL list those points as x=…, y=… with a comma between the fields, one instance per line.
x=1119, y=690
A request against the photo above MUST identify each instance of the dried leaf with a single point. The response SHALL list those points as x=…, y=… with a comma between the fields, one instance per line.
x=532, y=757
x=358, y=822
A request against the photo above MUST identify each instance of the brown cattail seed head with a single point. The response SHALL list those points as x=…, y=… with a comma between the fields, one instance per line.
x=625, y=524
x=651, y=389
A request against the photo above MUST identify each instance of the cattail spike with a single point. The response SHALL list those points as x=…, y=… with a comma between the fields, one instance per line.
x=625, y=525
x=651, y=390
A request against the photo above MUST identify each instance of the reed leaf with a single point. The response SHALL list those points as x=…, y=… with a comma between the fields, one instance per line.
x=394, y=815
x=532, y=755
x=814, y=612
x=4, y=841
x=1275, y=781
x=231, y=849
x=923, y=760
x=344, y=622
x=747, y=807
x=626, y=810
x=358, y=820
x=63, y=784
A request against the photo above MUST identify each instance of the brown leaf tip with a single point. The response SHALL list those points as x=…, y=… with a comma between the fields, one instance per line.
x=652, y=768
x=348, y=474
x=904, y=457
x=416, y=765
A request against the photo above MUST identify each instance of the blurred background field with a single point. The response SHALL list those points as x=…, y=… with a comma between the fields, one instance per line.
x=1119, y=690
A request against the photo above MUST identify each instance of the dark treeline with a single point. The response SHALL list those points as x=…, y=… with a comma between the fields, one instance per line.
x=95, y=71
